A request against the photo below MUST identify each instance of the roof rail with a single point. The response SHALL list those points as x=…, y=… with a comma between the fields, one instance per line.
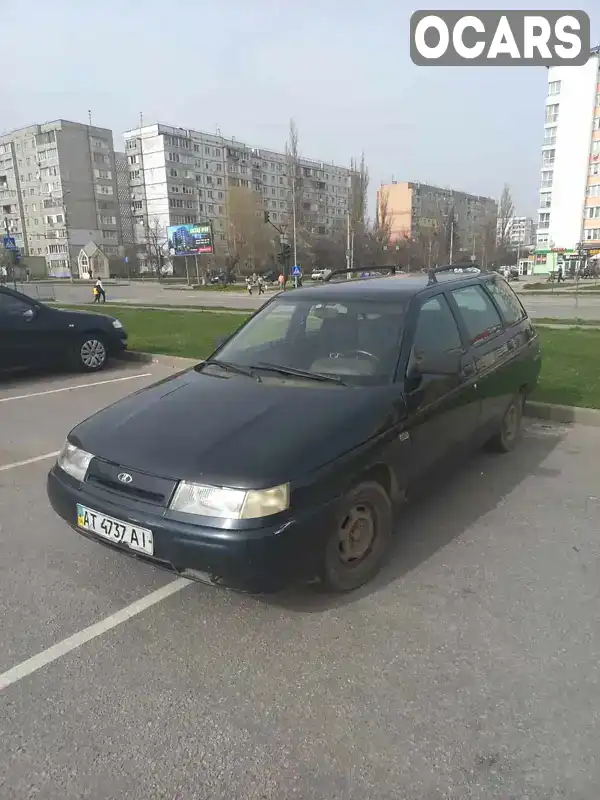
x=435, y=271
x=359, y=271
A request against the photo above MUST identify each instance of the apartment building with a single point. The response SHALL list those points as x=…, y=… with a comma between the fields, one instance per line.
x=58, y=191
x=124, y=198
x=520, y=232
x=569, y=206
x=179, y=175
x=418, y=208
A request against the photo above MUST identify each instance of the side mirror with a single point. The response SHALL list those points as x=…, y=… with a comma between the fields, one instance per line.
x=439, y=364
x=29, y=314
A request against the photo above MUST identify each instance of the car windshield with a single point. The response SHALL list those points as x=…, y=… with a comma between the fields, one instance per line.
x=353, y=341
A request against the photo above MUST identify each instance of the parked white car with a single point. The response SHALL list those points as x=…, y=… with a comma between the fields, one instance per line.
x=318, y=274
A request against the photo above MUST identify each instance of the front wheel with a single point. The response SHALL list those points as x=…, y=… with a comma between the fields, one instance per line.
x=91, y=354
x=357, y=547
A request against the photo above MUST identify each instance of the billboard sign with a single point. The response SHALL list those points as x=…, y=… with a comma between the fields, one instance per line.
x=190, y=240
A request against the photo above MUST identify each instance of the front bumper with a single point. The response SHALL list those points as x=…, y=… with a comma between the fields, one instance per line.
x=257, y=560
x=117, y=342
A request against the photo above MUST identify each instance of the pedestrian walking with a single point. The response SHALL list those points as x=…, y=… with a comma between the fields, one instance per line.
x=281, y=280
x=559, y=275
x=100, y=291
x=249, y=285
x=261, y=284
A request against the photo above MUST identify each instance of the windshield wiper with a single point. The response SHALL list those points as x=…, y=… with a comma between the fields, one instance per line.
x=300, y=373
x=226, y=365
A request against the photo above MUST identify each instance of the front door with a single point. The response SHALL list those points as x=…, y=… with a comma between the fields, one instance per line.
x=20, y=339
x=443, y=410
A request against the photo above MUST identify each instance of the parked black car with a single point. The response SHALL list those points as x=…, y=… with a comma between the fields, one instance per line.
x=281, y=457
x=33, y=334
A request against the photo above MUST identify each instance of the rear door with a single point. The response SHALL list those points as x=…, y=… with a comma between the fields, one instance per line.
x=443, y=410
x=485, y=332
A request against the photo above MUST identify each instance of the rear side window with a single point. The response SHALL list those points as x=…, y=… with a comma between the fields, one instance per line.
x=507, y=301
x=479, y=313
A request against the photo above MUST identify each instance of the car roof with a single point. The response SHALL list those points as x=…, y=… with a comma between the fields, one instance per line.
x=386, y=288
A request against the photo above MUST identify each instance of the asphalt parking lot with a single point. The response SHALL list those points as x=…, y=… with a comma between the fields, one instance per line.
x=470, y=669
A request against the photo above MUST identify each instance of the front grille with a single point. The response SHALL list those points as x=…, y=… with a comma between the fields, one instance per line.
x=143, y=486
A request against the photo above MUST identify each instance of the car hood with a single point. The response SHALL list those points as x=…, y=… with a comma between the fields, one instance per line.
x=234, y=431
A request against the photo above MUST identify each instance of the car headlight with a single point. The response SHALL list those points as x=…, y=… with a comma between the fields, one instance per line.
x=74, y=461
x=117, y=324
x=217, y=501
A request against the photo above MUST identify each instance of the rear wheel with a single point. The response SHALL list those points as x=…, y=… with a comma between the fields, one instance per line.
x=90, y=353
x=357, y=547
x=510, y=427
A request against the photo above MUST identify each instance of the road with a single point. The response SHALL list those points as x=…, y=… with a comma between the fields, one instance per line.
x=470, y=669
x=557, y=306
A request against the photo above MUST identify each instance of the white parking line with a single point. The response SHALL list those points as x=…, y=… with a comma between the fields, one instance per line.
x=78, y=386
x=25, y=668
x=24, y=463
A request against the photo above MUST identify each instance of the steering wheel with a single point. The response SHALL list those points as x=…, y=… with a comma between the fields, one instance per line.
x=360, y=353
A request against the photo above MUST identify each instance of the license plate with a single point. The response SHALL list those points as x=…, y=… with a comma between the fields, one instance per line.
x=115, y=530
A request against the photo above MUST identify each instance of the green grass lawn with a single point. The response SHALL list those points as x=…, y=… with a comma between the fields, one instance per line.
x=571, y=356
x=177, y=333
x=570, y=367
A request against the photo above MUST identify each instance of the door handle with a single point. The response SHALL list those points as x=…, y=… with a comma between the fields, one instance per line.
x=468, y=369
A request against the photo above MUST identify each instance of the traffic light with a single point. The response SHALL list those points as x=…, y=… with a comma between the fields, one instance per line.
x=267, y=219
x=285, y=254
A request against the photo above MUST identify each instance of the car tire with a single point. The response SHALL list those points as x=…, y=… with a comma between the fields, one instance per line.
x=510, y=428
x=91, y=353
x=365, y=511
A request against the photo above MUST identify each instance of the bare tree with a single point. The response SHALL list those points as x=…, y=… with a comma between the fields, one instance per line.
x=250, y=242
x=506, y=213
x=155, y=238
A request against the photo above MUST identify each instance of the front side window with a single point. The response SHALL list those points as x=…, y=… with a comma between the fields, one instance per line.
x=506, y=300
x=436, y=332
x=12, y=306
x=478, y=312
x=357, y=341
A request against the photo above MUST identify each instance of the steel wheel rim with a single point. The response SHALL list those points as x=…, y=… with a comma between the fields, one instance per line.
x=93, y=353
x=356, y=535
x=511, y=423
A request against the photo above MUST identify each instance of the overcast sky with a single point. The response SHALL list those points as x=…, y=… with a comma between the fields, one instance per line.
x=341, y=68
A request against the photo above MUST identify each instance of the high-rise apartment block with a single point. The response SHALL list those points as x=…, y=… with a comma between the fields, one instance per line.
x=59, y=190
x=569, y=206
x=520, y=232
x=416, y=209
x=179, y=176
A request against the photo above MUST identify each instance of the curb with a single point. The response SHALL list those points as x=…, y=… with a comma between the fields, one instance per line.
x=547, y=411
x=556, y=413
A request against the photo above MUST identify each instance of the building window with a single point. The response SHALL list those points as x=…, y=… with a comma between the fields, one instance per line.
x=552, y=113
x=544, y=220
x=550, y=136
x=592, y=235
x=594, y=169
x=548, y=157
x=132, y=159
x=547, y=178
x=131, y=144
x=104, y=189
x=594, y=190
x=109, y=235
x=546, y=200
x=105, y=174
x=173, y=157
x=554, y=87
x=134, y=174
x=593, y=212
x=596, y=147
